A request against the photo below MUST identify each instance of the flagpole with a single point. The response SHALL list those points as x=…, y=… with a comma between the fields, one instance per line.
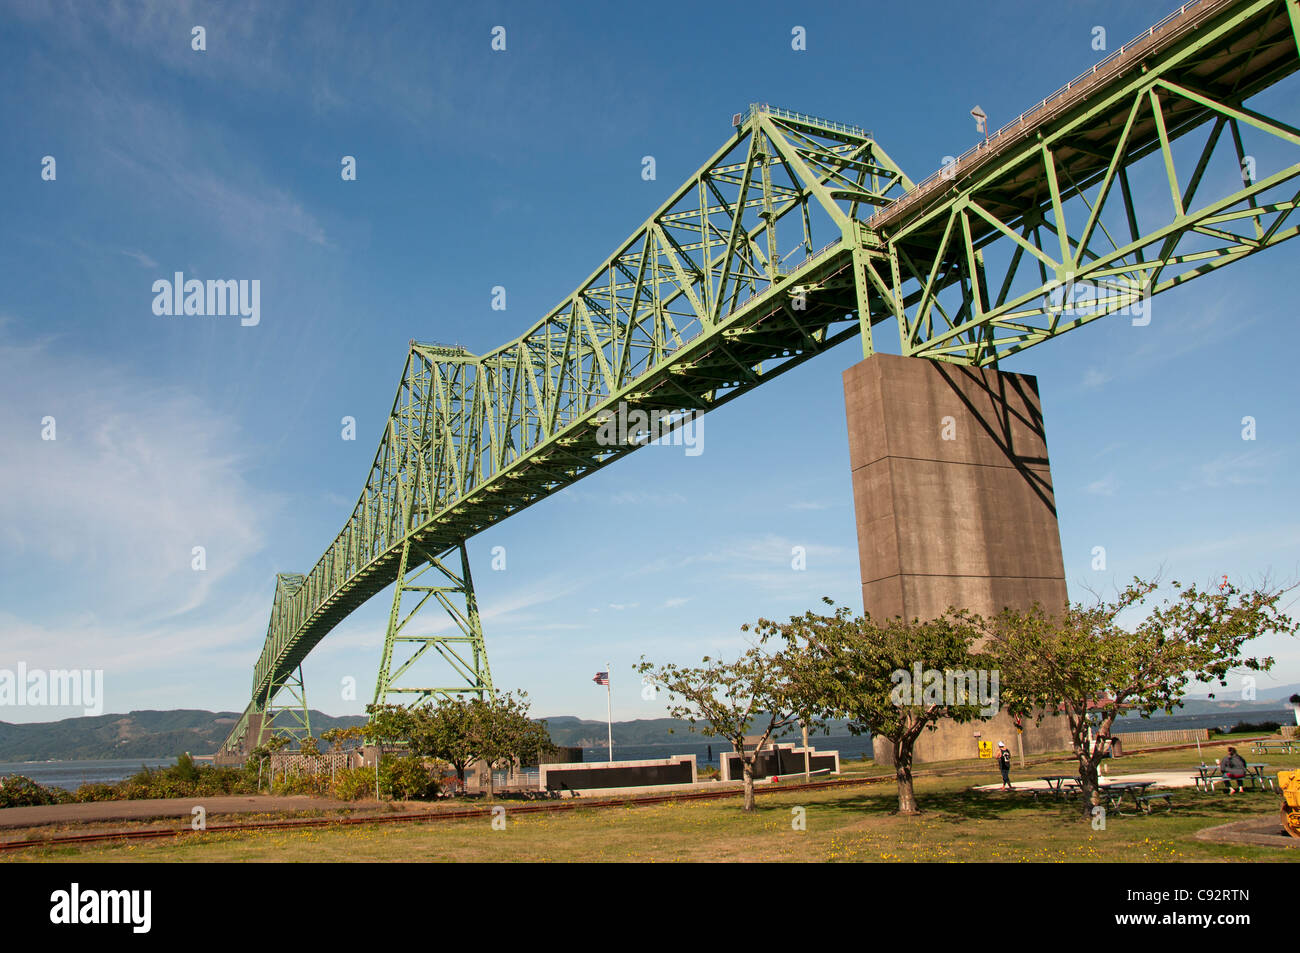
x=609, y=711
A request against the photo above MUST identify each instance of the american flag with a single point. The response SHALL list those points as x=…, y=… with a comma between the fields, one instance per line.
x=602, y=678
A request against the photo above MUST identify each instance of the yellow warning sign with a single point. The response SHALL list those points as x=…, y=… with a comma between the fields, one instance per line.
x=986, y=749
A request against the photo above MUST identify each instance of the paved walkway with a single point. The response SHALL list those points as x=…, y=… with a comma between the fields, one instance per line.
x=95, y=811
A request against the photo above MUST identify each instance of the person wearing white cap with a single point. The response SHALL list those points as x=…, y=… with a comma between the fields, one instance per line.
x=1004, y=765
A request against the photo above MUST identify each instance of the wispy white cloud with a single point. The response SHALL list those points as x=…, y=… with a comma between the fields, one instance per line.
x=1106, y=486
x=1095, y=377
x=1248, y=468
x=113, y=507
x=139, y=256
x=646, y=499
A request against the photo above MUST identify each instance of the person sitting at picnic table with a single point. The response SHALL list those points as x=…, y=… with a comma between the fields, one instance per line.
x=1004, y=765
x=1233, y=768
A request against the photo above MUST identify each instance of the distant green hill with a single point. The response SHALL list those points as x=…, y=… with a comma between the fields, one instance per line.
x=165, y=734
x=137, y=734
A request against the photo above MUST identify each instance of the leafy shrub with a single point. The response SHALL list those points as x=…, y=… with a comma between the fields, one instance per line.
x=185, y=769
x=19, y=791
x=1262, y=728
x=183, y=779
x=407, y=779
x=300, y=783
x=97, y=792
x=354, y=784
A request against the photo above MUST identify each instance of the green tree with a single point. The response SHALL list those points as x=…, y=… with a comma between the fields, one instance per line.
x=759, y=688
x=388, y=725
x=336, y=738
x=1084, y=663
x=185, y=769
x=446, y=732
x=504, y=735
x=462, y=731
x=863, y=670
x=264, y=753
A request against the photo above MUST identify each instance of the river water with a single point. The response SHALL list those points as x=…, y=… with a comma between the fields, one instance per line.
x=72, y=774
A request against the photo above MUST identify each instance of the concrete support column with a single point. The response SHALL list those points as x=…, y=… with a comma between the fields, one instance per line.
x=952, y=489
x=953, y=494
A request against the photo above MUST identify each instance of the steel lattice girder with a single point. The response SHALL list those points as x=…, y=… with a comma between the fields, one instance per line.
x=693, y=309
x=992, y=264
x=697, y=306
x=462, y=651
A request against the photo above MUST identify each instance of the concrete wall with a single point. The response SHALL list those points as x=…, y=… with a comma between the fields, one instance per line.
x=778, y=761
x=953, y=494
x=594, y=775
x=951, y=741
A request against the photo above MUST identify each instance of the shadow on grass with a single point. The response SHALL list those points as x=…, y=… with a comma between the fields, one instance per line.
x=955, y=807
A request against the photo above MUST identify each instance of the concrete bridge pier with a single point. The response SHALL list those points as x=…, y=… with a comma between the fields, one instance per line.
x=953, y=494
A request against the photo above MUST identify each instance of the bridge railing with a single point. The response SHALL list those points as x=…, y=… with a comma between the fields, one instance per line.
x=1104, y=69
x=756, y=108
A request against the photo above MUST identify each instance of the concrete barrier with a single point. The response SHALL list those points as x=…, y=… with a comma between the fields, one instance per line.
x=602, y=775
x=782, y=760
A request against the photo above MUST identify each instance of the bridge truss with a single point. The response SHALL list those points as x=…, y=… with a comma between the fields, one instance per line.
x=1159, y=165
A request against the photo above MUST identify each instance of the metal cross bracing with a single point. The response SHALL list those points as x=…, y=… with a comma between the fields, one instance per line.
x=697, y=306
x=1159, y=165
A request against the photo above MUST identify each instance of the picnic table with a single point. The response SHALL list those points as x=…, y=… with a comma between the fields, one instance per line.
x=1255, y=774
x=1115, y=791
x=1208, y=775
x=1055, y=782
x=1274, y=747
x=1205, y=776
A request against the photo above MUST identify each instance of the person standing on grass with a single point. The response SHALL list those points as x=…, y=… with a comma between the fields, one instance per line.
x=1004, y=765
x=1233, y=768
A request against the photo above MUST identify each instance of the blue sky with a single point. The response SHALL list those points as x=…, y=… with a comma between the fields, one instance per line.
x=523, y=169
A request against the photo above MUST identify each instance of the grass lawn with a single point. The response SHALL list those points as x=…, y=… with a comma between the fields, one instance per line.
x=844, y=824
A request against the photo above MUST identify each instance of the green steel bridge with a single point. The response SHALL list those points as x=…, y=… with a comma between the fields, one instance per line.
x=1157, y=166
